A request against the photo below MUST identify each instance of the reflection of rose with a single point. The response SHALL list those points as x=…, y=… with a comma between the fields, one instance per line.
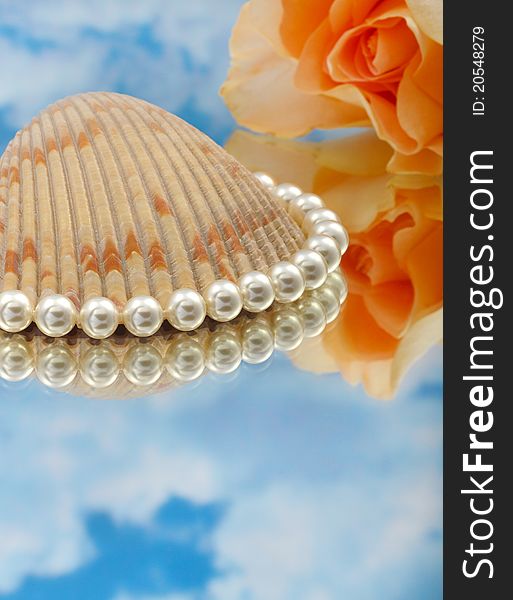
x=302, y=64
x=394, y=261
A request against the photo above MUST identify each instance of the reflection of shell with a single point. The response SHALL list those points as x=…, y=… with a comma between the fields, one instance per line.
x=104, y=195
x=125, y=366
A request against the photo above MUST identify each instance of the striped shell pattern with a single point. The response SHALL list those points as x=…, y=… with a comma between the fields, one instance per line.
x=111, y=204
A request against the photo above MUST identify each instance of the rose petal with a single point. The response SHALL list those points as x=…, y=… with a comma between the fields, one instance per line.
x=395, y=47
x=299, y=20
x=376, y=51
x=421, y=336
x=358, y=336
x=261, y=94
x=265, y=16
x=311, y=74
x=390, y=304
x=425, y=161
x=356, y=199
x=420, y=116
x=384, y=116
x=355, y=154
x=425, y=273
x=347, y=13
x=429, y=16
x=284, y=160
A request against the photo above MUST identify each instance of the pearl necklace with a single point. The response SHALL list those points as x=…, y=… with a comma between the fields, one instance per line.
x=326, y=241
x=125, y=364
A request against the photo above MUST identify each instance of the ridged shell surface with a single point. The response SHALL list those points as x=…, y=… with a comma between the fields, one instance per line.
x=105, y=195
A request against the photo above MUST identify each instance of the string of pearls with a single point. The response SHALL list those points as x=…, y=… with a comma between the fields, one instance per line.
x=183, y=357
x=326, y=241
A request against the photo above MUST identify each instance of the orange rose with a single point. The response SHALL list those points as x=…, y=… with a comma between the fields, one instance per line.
x=393, y=313
x=299, y=65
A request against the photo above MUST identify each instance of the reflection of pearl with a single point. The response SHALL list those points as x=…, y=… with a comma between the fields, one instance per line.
x=143, y=316
x=334, y=230
x=327, y=247
x=224, y=301
x=142, y=365
x=257, y=291
x=287, y=280
x=257, y=342
x=313, y=266
x=224, y=352
x=314, y=316
x=318, y=216
x=55, y=315
x=99, y=367
x=16, y=311
x=337, y=282
x=302, y=204
x=186, y=310
x=185, y=360
x=287, y=191
x=16, y=360
x=266, y=180
x=288, y=329
x=56, y=366
x=99, y=318
x=329, y=299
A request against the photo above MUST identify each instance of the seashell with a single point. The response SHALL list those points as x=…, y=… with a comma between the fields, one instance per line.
x=113, y=211
x=124, y=366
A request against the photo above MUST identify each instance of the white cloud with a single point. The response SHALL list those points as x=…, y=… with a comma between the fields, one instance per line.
x=323, y=543
x=71, y=466
x=31, y=81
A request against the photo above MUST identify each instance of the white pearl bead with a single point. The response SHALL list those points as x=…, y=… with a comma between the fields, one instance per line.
x=16, y=360
x=224, y=301
x=334, y=230
x=142, y=364
x=299, y=206
x=185, y=360
x=143, y=316
x=287, y=280
x=99, y=367
x=265, y=179
x=16, y=311
x=257, y=291
x=287, y=191
x=55, y=315
x=327, y=247
x=186, y=309
x=99, y=318
x=56, y=366
x=313, y=266
x=319, y=215
x=337, y=282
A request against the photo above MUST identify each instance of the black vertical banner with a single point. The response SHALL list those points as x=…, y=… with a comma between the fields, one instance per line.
x=478, y=241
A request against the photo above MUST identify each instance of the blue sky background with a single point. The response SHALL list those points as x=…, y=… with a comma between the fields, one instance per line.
x=272, y=484
x=171, y=52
